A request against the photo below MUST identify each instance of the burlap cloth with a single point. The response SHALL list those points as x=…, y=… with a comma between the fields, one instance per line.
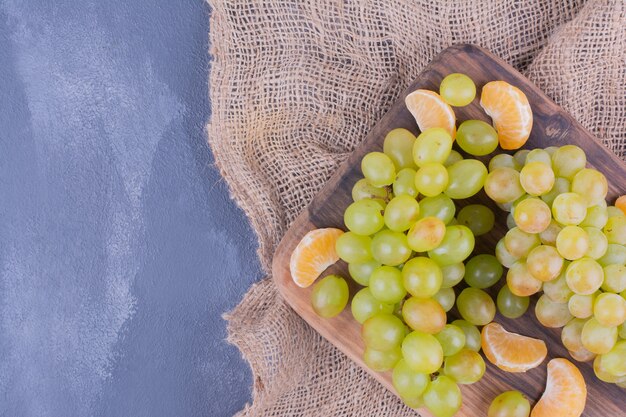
x=297, y=84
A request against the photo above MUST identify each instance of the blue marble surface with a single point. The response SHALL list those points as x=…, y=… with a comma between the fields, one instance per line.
x=119, y=246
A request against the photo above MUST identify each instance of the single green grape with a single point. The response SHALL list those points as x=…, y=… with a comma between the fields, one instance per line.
x=568, y=160
x=330, y=296
x=431, y=179
x=551, y=150
x=482, y=271
x=571, y=335
x=422, y=352
x=520, y=156
x=390, y=248
x=598, y=243
x=433, y=145
x=615, y=230
x=365, y=305
x=614, y=361
x=503, y=185
x=465, y=366
x=597, y=338
x=413, y=402
x=479, y=218
x=401, y=212
x=440, y=206
x=504, y=256
x=591, y=185
x=511, y=305
x=381, y=360
x=457, y=90
x=584, y=276
x=398, y=146
x=532, y=215
x=572, y=242
x=597, y=216
x=452, y=339
x=353, y=248
x=364, y=217
x=615, y=254
x=361, y=271
x=581, y=306
x=383, y=331
x=422, y=277
x=363, y=189
x=519, y=243
x=405, y=183
x=446, y=298
x=520, y=281
x=609, y=309
x=386, y=284
x=569, y=209
x=544, y=263
x=443, y=397
x=426, y=234
x=424, y=314
x=503, y=160
x=477, y=137
x=453, y=158
x=472, y=334
x=604, y=374
x=537, y=178
x=538, y=155
x=561, y=186
x=509, y=404
x=452, y=274
x=456, y=246
x=465, y=178
x=614, y=278
x=378, y=169
x=407, y=382
x=552, y=314
x=557, y=289
x=476, y=306
x=548, y=236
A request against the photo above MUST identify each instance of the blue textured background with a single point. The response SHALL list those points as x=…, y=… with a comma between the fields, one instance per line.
x=119, y=246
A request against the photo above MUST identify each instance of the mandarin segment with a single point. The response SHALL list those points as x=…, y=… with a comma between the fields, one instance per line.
x=511, y=352
x=315, y=252
x=565, y=394
x=430, y=110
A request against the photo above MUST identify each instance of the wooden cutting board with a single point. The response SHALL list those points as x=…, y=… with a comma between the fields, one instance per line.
x=552, y=126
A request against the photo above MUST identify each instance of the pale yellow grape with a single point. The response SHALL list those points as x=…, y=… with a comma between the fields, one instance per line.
x=532, y=215
x=613, y=211
x=466, y=178
x=378, y=169
x=597, y=216
x=363, y=189
x=401, y=212
x=407, y=382
x=568, y=160
x=503, y=255
x=520, y=156
x=426, y=234
x=614, y=278
x=584, y=276
x=597, y=338
x=615, y=230
x=615, y=254
x=614, y=361
x=381, y=360
x=421, y=277
x=572, y=242
x=457, y=90
x=604, y=375
x=446, y=298
x=544, y=263
x=552, y=314
x=503, y=160
x=548, y=236
x=431, y=179
x=398, y=145
x=433, y=145
x=519, y=243
x=405, y=183
x=581, y=306
x=452, y=274
x=557, y=289
x=453, y=158
x=503, y=185
x=538, y=155
x=422, y=352
x=424, y=314
x=609, y=309
x=561, y=186
x=520, y=280
x=571, y=335
x=598, y=243
x=537, y=178
x=551, y=150
x=591, y=185
x=582, y=355
x=569, y=209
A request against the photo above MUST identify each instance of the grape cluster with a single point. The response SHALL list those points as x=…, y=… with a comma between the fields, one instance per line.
x=565, y=241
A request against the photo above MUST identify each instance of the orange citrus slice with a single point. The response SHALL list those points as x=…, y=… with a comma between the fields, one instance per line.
x=565, y=394
x=620, y=203
x=511, y=352
x=510, y=111
x=314, y=253
x=430, y=110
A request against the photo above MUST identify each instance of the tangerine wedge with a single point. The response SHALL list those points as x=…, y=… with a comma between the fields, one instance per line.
x=430, y=110
x=620, y=203
x=510, y=111
x=565, y=394
x=315, y=252
x=511, y=352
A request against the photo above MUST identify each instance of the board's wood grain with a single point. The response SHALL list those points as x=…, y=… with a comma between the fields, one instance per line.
x=552, y=126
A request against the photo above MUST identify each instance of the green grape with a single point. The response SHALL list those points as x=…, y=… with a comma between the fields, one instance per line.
x=552, y=314
x=330, y=296
x=426, y=234
x=422, y=352
x=614, y=361
x=609, y=309
x=615, y=230
x=472, y=334
x=407, y=382
x=603, y=374
x=363, y=189
x=482, y=271
x=598, y=243
x=520, y=156
x=381, y=360
x=544, y=263
x=382, y=331
x=520, y=281
x=614, y=278
x=568, y=160
x=503, y=160
x=548, y=236
x=597, y=338
x=453, y=158
x=571, y=335
x=353, y=248
x=519, y=243
x=365, y=305
x=511, y=305
x=569, y=209
x=465, y=367
x=584, y=276
x=503, y=185
x=398, y=146
x=456, y=246
x=582, y=355
x=510, y=221
x=432, y=146
x=561, y=186
x=504, y=256
x=378, y=169
x=581, y=306
x=613, y=211
x=452, y=274
x=386, y=284
x=401, y=212
x=390, y=248
x=572, y=242
x=538, y=155
x=443, y=397
x=431, y=179
x=452, y=339
x=615, y=254
x=424, y=314
x=480, y=219
x=364, y=217
x=466, y=178
x=597, y=217
x=557, y=289
x=445, y=297
x=413, y=402
x=440, y=206
x=532, y=215
x=537, y=178
x=591, y=185
x=477, y=137
x=422, y=277
x=361, y=271
x=509, y=404
x=476, y=306
x=457, y=90
x=551, y=150
x=405, y=183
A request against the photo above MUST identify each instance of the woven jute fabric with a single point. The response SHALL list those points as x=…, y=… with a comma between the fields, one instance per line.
x=297, y=84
